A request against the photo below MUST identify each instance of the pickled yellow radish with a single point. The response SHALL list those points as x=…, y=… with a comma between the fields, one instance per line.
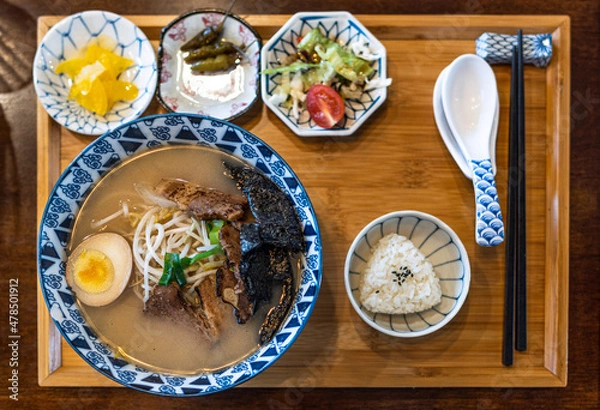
x=113, y=63
x=71, y=67
x=117, y=90
x=93, y=97
x=96, y=86
x=88, y=74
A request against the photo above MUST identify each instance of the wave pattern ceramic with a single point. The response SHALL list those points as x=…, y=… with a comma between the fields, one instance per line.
x=497, y=48
x=68, y=39
x=88, y=168
x=439, y=244
x=489, y=228
x=339, y=26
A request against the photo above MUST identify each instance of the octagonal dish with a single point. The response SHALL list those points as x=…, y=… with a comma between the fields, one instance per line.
x=342, y=27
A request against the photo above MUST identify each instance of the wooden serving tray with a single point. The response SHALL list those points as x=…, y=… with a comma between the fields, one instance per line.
x=396, y=161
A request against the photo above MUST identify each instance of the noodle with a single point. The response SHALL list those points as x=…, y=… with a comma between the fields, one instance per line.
x=175, y=233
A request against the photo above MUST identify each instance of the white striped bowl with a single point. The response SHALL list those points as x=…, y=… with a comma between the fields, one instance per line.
x=440, y=244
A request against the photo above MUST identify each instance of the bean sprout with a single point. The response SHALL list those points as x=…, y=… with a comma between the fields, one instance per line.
x=104, y=221
x=200, y=275
x=123, y=211
x=155, y=235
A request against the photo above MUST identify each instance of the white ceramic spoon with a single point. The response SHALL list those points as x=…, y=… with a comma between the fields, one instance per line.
x=448, y=137
x=470, y=97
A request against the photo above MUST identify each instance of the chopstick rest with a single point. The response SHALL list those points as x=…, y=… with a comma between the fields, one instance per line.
x=497, y=48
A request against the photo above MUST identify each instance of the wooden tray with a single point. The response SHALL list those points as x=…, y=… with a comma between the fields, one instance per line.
x=397, y=160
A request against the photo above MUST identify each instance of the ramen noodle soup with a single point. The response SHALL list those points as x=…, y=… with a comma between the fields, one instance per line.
x=119, y=204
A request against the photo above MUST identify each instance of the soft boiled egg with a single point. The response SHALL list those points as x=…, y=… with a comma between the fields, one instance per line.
x=99, y=268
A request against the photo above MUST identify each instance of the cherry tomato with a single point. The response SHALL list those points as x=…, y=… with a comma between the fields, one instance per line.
x=324, y=105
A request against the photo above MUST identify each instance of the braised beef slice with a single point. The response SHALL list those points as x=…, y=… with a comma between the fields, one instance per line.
x=230, y=285
x=278, y=313
x=226, y=283
x=228, y=291
x=169, y=302
x=203, y=203
x=273, y=209
x=209, y=304
x=229, y=237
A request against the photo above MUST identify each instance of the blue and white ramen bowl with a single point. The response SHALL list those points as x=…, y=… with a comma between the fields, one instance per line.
x=88, y=168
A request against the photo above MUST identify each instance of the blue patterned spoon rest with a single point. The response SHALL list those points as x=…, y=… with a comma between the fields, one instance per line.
x=470, y=98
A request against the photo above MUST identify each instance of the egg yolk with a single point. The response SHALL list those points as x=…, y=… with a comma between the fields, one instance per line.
x=94, y=271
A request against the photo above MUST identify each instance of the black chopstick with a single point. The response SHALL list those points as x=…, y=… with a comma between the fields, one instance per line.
x=509, y=282
x=521, y=243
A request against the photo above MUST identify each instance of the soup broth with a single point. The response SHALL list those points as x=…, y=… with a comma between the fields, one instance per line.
x=158, y=342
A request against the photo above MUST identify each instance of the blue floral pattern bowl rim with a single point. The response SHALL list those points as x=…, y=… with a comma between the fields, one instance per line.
x=91, y=146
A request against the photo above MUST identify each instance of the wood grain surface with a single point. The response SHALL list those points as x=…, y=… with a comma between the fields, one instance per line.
x=398, y=161
x=18, y=207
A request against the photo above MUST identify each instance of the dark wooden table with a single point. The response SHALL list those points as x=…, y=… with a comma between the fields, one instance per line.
x=18, y=217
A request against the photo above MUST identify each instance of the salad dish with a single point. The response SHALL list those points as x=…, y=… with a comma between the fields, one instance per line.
x=324, y=74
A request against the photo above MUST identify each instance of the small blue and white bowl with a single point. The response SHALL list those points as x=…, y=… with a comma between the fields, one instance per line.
x=67, y=39
x=440, y=245
x=342, y=27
